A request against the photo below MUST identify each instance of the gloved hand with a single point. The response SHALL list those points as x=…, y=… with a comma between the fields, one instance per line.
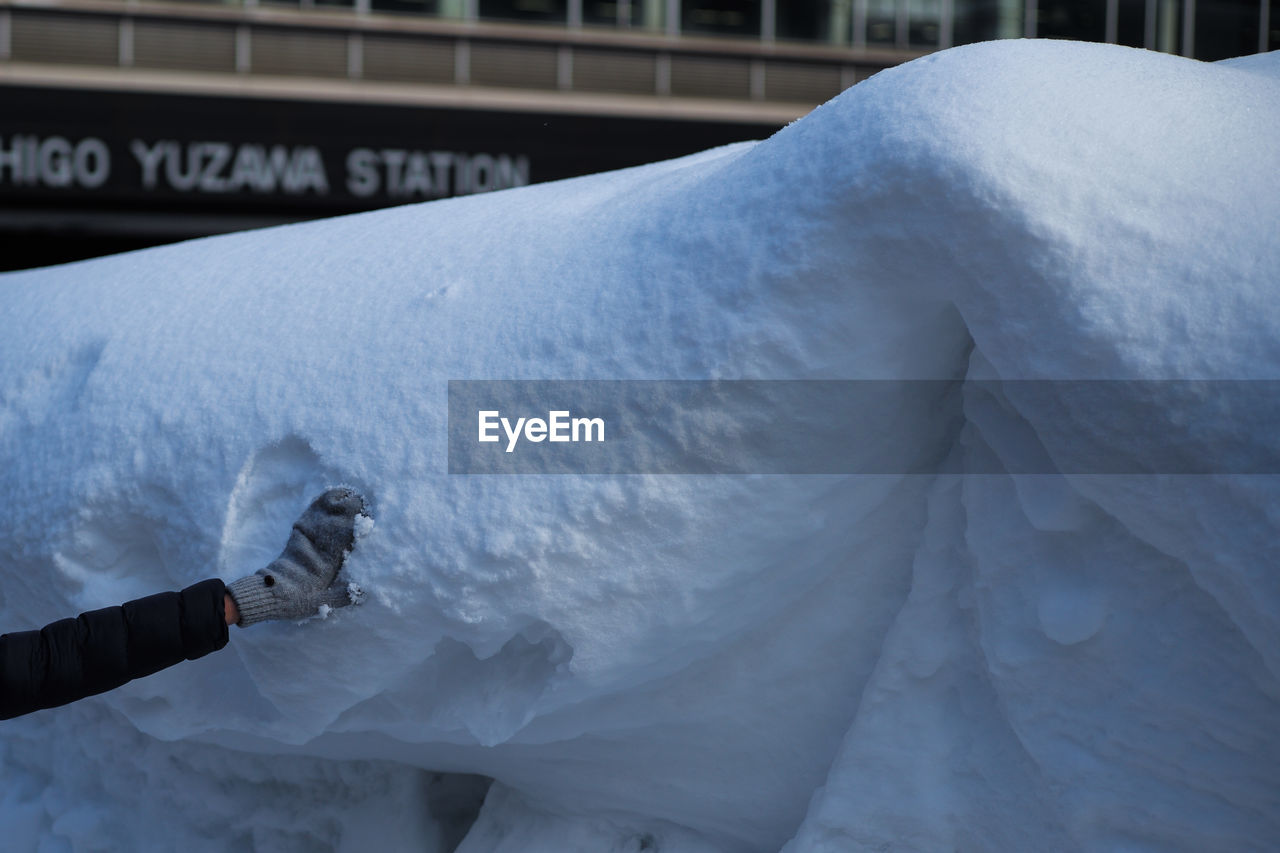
x=304, y=577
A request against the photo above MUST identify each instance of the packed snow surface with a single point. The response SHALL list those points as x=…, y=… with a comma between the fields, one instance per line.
x=689, y=663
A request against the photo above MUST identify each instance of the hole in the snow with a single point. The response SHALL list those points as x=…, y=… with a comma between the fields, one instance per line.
x=454, y=801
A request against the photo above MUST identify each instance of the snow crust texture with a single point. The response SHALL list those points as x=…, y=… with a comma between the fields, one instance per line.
x=739, y=663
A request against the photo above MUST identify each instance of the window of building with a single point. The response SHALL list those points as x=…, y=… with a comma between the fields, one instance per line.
x=633, y=14
x=542, y=11
x=1131, y=23
x=1082, y=20
x=1226, y=28
x=415, y=7
x=983, y=20
x=924, y=23
x=721, y=17
x=814, y=20
x=311, y=4
x=882, y=23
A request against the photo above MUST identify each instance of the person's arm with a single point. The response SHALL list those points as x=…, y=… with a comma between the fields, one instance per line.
x=102, y=649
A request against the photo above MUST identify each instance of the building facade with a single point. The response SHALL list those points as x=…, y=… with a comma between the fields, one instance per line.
x=126, y=123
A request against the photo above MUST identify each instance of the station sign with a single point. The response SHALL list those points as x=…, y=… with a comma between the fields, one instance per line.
x=140, y=151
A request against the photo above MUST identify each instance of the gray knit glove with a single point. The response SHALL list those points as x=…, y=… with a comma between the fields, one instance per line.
x=302, y=581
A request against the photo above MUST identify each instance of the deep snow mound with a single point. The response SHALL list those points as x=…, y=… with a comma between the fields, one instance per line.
x=692, y=663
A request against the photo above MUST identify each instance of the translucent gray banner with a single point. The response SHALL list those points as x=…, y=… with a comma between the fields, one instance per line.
x=864, y=426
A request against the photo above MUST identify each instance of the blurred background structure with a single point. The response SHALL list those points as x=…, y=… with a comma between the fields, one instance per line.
x=128, y=123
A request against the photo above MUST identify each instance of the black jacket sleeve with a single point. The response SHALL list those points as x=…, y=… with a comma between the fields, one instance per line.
x=102, y=649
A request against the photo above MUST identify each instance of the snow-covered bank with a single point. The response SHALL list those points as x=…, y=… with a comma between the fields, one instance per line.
x=690, y=663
